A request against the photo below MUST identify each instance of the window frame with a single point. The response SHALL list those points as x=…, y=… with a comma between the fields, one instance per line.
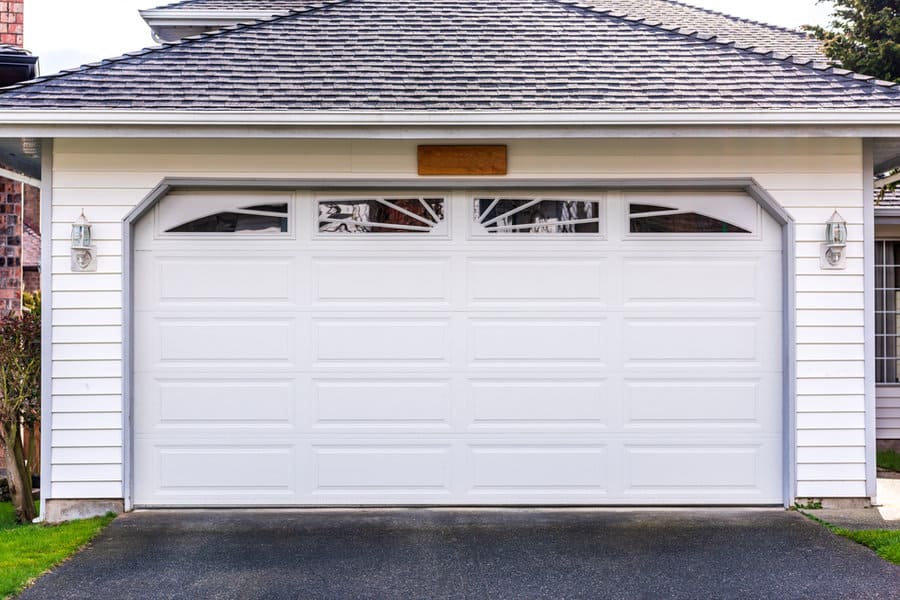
x=880, y=339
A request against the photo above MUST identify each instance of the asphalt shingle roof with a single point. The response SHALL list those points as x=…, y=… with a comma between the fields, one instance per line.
x=671, y=13
x=452, y=55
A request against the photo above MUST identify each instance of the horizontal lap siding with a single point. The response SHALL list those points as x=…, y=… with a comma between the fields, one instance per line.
x=810, y=178
x=888, y=412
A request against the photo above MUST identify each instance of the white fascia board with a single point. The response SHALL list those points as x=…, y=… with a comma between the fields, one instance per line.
x=469, y=126
x=202, y=18
x=454, y=119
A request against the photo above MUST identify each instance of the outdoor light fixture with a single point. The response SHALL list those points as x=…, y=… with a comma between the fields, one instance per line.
x=833, y=250
x=84, y=253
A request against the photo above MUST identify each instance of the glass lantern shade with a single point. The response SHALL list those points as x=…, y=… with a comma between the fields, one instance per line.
x=81, y=233
x=836, y=231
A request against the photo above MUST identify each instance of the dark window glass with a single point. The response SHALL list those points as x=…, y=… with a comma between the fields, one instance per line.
x=272, y=208
x=230, y=222
x=682, y=223
x=637, y=209
x=537, y=216
x=389, y=215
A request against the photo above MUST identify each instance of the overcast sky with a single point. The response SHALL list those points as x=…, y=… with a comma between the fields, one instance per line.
x=68, y=33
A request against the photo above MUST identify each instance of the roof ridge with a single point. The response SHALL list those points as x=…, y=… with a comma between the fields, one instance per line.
x=710, y=11
x=223, y=30
x=816, y=65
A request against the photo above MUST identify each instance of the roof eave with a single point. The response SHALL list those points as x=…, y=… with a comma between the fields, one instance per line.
x=195, y=18
x=171, y=25
x=163, y=118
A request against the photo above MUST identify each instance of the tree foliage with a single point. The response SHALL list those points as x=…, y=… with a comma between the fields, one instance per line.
x=864, y=36
x=20, y=402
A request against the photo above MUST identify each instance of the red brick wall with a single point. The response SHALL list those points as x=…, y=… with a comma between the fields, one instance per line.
x=12, y=19
x=32, y=207
x=10, y=246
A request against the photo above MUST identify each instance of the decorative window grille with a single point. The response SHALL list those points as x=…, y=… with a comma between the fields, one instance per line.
x=537, y=216
x=382, y=215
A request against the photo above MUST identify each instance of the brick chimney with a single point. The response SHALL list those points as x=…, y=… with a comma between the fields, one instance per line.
x=12, y=20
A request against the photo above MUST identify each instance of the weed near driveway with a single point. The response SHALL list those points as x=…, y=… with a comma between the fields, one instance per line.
x=27, y=551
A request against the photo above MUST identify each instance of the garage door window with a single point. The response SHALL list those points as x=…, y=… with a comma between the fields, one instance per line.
x=548, y=216
x=401, y=215
x=646, y=218
x=263, y=218
x=685, y=213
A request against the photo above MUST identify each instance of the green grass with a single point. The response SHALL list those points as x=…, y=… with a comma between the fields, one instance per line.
x=889, y=460
x=885, y=543
x=27, y=551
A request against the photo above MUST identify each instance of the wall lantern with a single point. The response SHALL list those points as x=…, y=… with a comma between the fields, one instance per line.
x=834, y=254
x=84, y=253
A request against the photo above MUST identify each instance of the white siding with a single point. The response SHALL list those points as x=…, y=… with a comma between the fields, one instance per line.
x=810, y=178
x=888, y=412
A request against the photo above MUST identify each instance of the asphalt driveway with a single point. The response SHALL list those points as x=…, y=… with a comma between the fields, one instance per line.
x=474, y=554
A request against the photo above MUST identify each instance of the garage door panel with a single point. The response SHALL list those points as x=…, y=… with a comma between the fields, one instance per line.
x=376, y=404
x=228, y=471
x=216, y=404
x=544, y=281
x=379, y=469
x=227, y=279
x=538, y=469
x=703, y=471
x=703, y=404
x=544, y=341
x=711, y=282
x=516, y=404
x=387, y=340
x=683, y=340
x=237, y=340
x=381, y=281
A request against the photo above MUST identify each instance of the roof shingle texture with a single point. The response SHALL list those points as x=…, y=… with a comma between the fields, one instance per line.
x=439, y=55
x=671, y=13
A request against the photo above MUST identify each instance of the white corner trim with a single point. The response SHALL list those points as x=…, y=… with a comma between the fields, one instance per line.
x=869, y=325
x=46, y=324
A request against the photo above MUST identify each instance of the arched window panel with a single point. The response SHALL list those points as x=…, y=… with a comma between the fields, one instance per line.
x=686, y=213
x=223, y=213
x=541, y=216
x=382, y=215
x=234, y=222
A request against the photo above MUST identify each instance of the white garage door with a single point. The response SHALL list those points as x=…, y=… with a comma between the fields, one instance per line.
x=457, y=348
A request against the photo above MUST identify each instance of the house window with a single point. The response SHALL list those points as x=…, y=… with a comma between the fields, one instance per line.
x=264, y=218
x=401, y=215
x=646, y=218
x=493, y=215
x=887, y=301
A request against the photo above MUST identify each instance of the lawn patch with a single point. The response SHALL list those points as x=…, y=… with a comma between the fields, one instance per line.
x=885, y=543
x=27, y=551
x=889, y=460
